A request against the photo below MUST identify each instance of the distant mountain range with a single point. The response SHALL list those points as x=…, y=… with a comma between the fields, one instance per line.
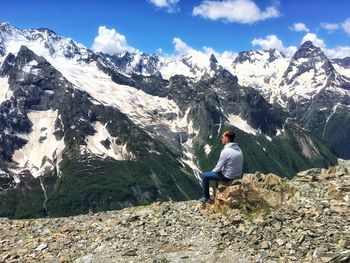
x=84, y=131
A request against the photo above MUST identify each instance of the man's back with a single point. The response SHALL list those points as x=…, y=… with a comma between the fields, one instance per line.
x=231, y=161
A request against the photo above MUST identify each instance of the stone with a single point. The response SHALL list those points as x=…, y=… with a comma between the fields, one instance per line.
x=264, y=244
x=280, y=241
x=343, y=243
x=41, y=247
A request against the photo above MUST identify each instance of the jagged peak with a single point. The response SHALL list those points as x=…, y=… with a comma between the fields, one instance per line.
x=258, y=55
x=47, y=31
x=308, y=44
x=213, y=59
x=275, y=53
x=8, y=29
x=6, y=25
x=307, y=50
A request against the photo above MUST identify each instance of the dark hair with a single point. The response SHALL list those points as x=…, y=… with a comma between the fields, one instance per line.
x=230, y=134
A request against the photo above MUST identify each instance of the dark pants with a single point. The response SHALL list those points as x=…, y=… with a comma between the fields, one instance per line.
x=206, y=177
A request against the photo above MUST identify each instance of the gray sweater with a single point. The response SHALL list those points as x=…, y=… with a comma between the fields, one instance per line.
x=231, y=161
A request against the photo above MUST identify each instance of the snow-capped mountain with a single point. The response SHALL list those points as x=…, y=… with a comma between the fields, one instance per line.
x=309, y=72
x=192, y=64
x=309, y=85
x=77, y=125
x=342, y=66
x=260, y=69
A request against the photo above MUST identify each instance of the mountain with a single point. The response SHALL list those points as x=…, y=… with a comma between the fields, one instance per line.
x=343, y=62
x=312, y=88
x=261, y=218
x=87, y=131
x=342, y=66
x=260, y=69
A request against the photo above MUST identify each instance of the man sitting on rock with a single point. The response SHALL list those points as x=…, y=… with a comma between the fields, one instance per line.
x=229, y=166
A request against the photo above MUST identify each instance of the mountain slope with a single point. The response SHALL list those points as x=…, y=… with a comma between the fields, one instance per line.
x=318, y=91
x=131, y=161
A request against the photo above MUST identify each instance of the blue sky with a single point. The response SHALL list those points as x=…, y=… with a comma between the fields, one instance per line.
x=149, y=25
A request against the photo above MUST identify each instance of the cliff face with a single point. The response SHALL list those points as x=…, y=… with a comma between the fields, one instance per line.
x=262, y=218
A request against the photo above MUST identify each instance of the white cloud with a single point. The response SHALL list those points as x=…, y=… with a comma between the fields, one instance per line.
x=272, y=41
x=299, y=27
x=330, y=26
x=171, y=6
x=225, y=58
x=234, y=11
x=314, y=39
x=337, y=52
x=223, y=55
x=335, y=26
x=180, y=46
x=346, y=26
x=109, y=41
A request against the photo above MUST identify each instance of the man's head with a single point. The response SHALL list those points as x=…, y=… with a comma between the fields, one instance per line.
x=227, y=136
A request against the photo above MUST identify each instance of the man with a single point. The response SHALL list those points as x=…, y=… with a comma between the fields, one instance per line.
x=229, y=166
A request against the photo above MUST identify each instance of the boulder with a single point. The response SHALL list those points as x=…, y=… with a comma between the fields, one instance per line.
x=252, y=191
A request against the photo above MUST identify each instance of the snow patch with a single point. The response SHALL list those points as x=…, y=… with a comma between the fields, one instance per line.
x=241, y=124
x=207, y=149
x=5, y=92
x=188, y=157
x=193, y=64
x=113, y=150
x=42, y=152
x=142, y=108
x=260, y=73
x=28, y=67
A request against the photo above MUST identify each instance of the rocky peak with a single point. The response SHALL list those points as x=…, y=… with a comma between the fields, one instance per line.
x=213, y=59
x=310, y=58
x=6, y=28
x=41, y=39
x=244, y=56
x=309, y=50
x=253, y=56
x=47, y=31
x=275, y=54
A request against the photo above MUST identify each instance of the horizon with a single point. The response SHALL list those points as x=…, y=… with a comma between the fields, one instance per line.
x=172, y=27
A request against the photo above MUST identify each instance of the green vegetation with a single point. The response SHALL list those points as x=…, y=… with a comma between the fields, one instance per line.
x=90, y=183
x=280, y=156
x=337, y=132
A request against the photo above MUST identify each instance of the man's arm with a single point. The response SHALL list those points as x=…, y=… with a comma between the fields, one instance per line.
x=221, y=162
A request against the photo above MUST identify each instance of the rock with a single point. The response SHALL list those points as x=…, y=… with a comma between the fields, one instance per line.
x=253, y=190
x=64, y=229
x=264, y=245
x=343, y=243
x=130, y=253
x=280, y=242
x=272, y=220
x=41, y=247
x=6, y=256
x=341, y=257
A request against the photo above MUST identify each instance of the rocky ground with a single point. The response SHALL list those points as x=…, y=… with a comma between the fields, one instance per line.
x=261, y=218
